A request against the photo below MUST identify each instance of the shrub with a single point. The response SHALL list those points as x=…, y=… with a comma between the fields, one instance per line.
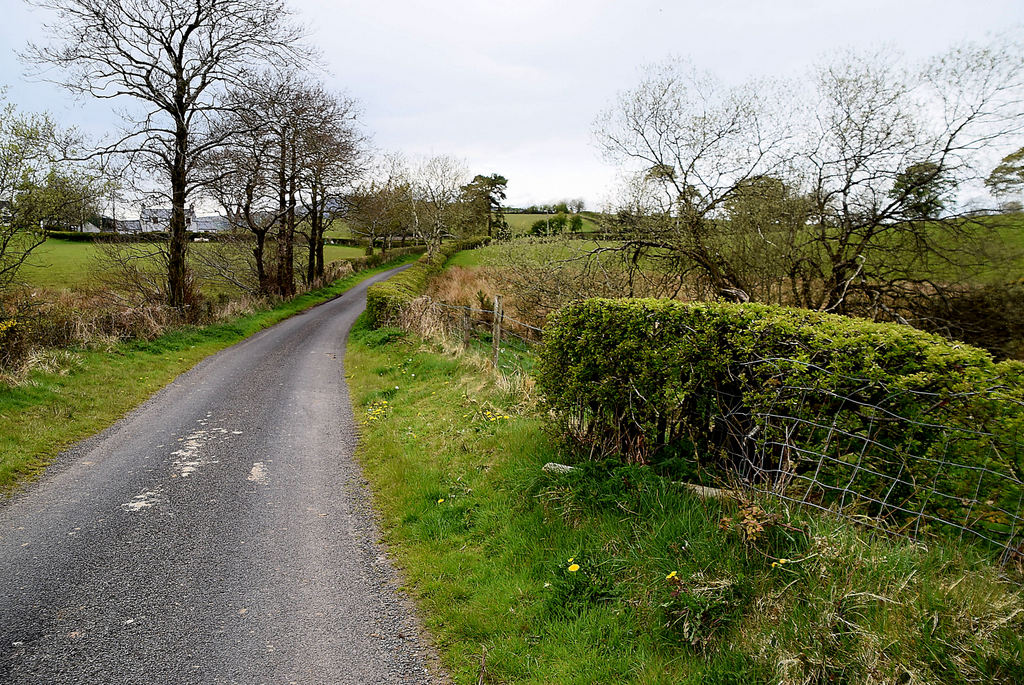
x=820, y=406
x=110, y=237
x=989, y=316
x=385, y=301
x=372, y=260
x=550, y=226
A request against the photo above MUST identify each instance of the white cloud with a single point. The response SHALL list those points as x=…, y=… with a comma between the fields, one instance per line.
x=513, y=87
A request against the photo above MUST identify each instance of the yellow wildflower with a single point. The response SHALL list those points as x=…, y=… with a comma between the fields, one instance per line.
x=440, y=501
x=573, y=568
x=670, y=576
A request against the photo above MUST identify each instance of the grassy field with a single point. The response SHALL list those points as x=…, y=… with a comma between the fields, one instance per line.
x=495, y=254
x=521, y=223
x=76, y=393
x=338, y=229
x=1005, y=245
x=67, y=264
x=615, y=574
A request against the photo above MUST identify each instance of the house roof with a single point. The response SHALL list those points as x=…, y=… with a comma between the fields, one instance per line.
x=162, y=214
x=210, y=223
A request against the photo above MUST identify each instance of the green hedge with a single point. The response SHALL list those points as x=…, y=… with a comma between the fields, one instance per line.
x=829, y=408
x=384, y=301
x=109, y=237
x=378, y=257
x=78, y=237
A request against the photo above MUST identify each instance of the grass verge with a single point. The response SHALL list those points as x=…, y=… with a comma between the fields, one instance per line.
x=617, y=574
x=80, y=392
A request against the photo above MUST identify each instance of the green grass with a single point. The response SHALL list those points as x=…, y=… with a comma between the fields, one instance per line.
x=61, y=264
x=486, y=540
x=338, y=229
x=86, y=390
x=527, y=249
x=73, y=265
x=521, y=224
x=333, y=253
x=1005, y=245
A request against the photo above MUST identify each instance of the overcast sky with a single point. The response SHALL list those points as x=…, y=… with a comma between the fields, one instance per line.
x=514, y=87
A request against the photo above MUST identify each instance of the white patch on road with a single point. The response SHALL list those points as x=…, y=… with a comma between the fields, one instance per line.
x=143, y=501
x=189, y=460
x=258, y=474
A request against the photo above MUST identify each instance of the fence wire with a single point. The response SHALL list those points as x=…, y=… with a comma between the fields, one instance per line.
x=511, y=341
x=909, y=460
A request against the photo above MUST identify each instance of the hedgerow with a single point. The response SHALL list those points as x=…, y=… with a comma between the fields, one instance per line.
x=820, y=406
x=385, y=300
x=379, y=257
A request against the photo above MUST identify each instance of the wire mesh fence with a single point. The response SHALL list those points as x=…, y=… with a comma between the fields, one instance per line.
x=906, y=459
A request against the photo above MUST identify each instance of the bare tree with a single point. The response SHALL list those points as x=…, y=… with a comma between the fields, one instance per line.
x=331, y=152
x=837, y=199
x=379, y=209
x=243, y=177
x=436, y=206
x=881, y=139
x=174, y=58
x=689, y=142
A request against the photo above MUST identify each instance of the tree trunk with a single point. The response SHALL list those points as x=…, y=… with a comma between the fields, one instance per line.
x=178, y=248
x=261, y=269
x=320, y=248
x=282, y=221
x=314, y=216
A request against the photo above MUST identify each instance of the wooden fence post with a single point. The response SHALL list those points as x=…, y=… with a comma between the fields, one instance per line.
x=496, y=328
x=465, y=330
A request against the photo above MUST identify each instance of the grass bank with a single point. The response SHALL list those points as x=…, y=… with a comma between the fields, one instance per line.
x=76, y=393
x=614, y=574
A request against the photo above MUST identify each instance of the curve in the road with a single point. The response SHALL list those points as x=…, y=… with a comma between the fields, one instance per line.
x=221, y=533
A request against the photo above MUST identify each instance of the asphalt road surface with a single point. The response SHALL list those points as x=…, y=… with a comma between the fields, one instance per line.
x=218, y=534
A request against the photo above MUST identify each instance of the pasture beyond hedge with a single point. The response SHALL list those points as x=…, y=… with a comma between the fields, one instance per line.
x=878, y=419
x=384, y=301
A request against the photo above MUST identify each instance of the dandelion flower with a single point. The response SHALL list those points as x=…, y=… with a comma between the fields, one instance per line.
x=571, y=559
x=440, y=501
x=573, y=568
x=670, y=576
x=783, y=561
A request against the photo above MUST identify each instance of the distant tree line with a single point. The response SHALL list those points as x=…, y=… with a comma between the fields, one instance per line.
x=430, y=200
x=574, y=206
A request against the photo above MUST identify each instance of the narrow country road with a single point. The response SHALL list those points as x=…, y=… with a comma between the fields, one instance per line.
x=219, y=534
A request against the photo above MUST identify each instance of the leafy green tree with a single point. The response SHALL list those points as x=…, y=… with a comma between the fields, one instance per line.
x=25, y=152
x=1008, y=176
x=924, y=189
x=63, y=200
x=484, y=195
x=554, y=225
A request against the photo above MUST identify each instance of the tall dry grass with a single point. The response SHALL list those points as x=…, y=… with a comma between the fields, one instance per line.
x=44, y=327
